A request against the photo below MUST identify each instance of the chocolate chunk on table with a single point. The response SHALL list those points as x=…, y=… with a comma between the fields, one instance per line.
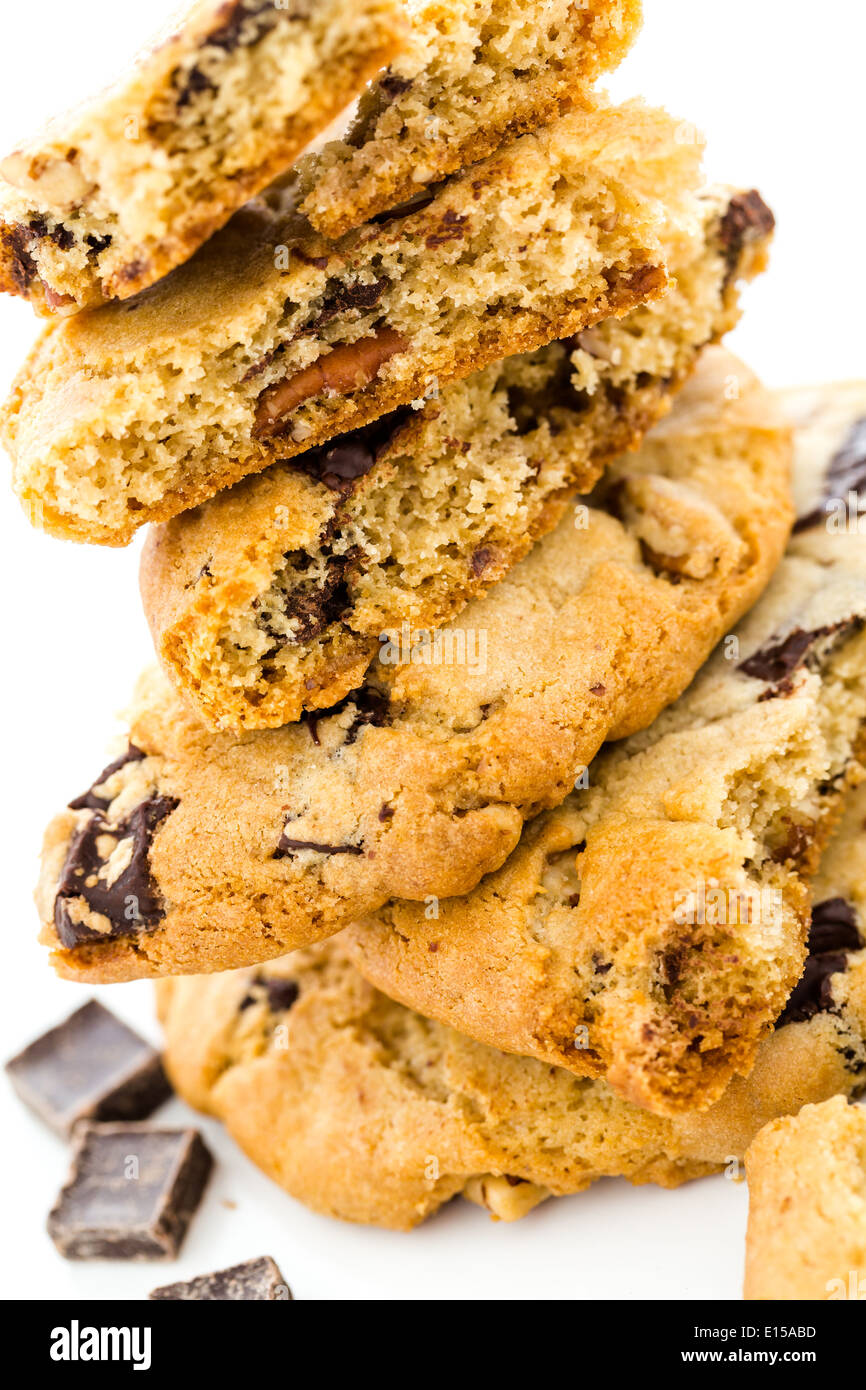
x=90, y=1067
x=256, y=1281
x=131, y=1192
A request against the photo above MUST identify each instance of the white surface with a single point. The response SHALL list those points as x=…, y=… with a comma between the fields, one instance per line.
x=777, y=85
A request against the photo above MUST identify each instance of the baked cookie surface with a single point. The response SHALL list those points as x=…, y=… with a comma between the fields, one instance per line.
x=271, y=341
x=273, y=597
x=115, y=194
x=472, y=74
x=806, y=1236
x=650, y=928
x=201, y=851
x=364, y=1110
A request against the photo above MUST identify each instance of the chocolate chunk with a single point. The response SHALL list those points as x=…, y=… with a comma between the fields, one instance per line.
x=394, y=86
x=131, y=902
x=451, y=228
x=195, y=81
x=22, y=267
x=245, y=22
x=344, y=460
x=94, y=800
x=98, y=244
x=339, y=297
x=480, y=559
x=313, y=608
x=279, y=994
x=285, y=847
x=747, y=219
x=60, y=235
x=131, y=1192
x=834, y=927
x=91, y=1067
x=256, y=1281
x=775, y=663
x=282, y=994
x=833, y=934
x=846, y=473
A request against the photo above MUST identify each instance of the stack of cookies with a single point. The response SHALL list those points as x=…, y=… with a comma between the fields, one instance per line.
x=491, y=806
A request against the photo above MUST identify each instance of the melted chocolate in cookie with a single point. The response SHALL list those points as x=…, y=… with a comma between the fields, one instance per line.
x=777, y=662
x=132, y=901
x=91, y=799
x=340, y=463
x=845, y=473
x=834, y=933
x=747, y=219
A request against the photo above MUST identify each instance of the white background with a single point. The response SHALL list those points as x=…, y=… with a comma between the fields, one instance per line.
x=778, y=87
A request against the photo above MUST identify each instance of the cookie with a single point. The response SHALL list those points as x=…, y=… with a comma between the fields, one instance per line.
x=473, y=74
x=199, y=850
x=806, y=1237
x=272, y=341
x=113, y=195
x=273, y=597
x=628, y=934
x=364, y=1110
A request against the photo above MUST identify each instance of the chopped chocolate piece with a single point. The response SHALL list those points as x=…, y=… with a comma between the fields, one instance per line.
x=282, y=994
x=129, y=902
x=846, y=473
x=747, y=219
x=349, y=457
x=92, y=799
x=451, y=225
x=258, y=17
x=131, y=1192
x=340, y=297
x=480, y=559
x=21, y=265
x=778, y=661
x=256, y=1281
x=394, y=86
x=98, y=244
x=833, y=934
x=196, y=81
x=285, y=847
x=90, y=1067
x=834, y=927
x=316, y=607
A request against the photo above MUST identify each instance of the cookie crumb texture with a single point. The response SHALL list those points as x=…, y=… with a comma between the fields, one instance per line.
x=111, y=197
x=473, y=74
x=367, y=1111
x=270, y=341
x=273, y=597
x=806, y=1237
x=651, y=928
x=199, y=850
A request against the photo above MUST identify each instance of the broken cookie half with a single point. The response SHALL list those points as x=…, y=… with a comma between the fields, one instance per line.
x=274, y=597
x=202, y=850
x=112, y=196
x=473, y=74
x=272, y=341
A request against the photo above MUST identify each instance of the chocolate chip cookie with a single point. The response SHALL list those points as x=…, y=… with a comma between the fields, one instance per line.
x=273, y=597
x=473, y=73
x=364, y=1110
x=115, y=194
x=807, y=1205
x=271, y=341
x=651, y=927
x=199, y=850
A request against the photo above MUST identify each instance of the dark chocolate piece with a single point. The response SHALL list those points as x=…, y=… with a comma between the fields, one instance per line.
x=90, y=1067
x=279, y=994
x=845, y=473
x=131, y=1192
x=747, y=219
x=342, y=461
x=256, y=1281
x=257, y=15
x=91, y=799
x=777, y=663
x=833, y=934
x=285, y=846
x=132, y=902
x=480, y=559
